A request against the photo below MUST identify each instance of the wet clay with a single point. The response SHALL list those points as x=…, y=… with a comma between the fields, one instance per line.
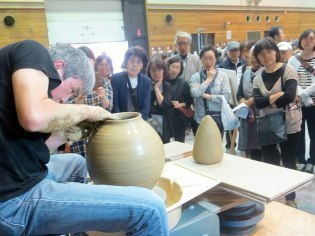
x=208, y=142
x=125, y=152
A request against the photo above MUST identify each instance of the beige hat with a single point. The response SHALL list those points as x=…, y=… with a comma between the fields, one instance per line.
x=284, y=46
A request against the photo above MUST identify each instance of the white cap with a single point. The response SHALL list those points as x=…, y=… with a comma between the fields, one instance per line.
x=284, y=46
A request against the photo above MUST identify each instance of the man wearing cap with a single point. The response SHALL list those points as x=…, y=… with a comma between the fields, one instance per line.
x=285, y=51
x=232, y=61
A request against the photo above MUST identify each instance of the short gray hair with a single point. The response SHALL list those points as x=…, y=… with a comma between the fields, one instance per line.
x=77, y=65
x=184, y=35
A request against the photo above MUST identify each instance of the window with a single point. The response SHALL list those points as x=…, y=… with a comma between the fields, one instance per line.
x=258, y=18
x=205, y=39
x=248, y=18
x=253, y=36
x=268, y=18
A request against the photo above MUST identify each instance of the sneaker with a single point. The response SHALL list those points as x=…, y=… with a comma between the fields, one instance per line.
x=300, y=167
x=309, y=168
x=291, y=203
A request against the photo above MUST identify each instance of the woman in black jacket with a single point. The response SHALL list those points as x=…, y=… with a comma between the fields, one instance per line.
x=160, y=101
x=131, y=88
x=180, y=98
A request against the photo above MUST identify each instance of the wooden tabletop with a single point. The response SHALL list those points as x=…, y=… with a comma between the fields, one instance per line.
x=282, y=220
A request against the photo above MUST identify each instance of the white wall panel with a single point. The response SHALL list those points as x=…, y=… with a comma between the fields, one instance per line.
x=84, y=21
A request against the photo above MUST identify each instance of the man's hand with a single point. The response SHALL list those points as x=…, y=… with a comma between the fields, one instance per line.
x=69, y=135
x=97, y=113
x=76, y=133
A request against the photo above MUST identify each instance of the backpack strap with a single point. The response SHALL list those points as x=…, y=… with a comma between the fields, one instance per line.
x=306, y=65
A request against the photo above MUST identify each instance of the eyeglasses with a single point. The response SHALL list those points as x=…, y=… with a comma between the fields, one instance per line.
x=182, y=43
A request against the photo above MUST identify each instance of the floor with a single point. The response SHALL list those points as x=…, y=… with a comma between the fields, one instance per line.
x=305, y=196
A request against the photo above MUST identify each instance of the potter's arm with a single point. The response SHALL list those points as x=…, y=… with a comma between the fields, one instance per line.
x=55, y=140
x=38, y=113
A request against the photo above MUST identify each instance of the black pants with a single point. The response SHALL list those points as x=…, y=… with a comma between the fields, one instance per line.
x=271, y=155
x=255, y=154
x=194, y=126
x=227, y=136
x=179, y=134
x=308, y=115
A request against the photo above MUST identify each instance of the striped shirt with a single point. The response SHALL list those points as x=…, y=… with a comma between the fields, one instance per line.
x=305, y=78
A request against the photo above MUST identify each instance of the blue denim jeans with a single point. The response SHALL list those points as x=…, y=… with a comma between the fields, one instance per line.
x=62, y=203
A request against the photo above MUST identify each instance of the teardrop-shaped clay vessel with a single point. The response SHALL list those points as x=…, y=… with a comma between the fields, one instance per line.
x=208, y=142
x=125, y=152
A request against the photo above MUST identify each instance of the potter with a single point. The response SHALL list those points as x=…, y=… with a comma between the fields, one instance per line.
x=32, y=80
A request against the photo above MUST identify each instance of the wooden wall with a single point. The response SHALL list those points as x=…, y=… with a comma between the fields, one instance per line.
x=162, y=34
x=29, y=24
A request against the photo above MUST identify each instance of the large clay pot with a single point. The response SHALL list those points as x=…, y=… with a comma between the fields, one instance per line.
x=126, y=152
x=208, y=142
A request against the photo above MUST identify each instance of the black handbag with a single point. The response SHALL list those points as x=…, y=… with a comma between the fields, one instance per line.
x=271, y=128
x=185, y=115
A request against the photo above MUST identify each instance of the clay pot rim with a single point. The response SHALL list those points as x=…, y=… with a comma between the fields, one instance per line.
x=133, y=115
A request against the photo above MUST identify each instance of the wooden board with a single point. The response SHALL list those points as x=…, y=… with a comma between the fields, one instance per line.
x=253, y=179
x=192, y=184
x=281, y=220
x=217, y=200
x=177, y=150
